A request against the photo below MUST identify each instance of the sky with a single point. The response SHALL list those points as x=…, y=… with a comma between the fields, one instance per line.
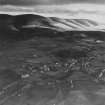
x=74, y=9
x=37, y=2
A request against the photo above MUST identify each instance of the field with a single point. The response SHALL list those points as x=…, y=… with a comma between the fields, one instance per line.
x=60, y=69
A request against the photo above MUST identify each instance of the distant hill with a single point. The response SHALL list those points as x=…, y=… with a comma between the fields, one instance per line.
x=28, y=21
x=31, y=25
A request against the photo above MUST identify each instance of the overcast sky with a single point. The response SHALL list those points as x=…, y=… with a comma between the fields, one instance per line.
x=36, y=2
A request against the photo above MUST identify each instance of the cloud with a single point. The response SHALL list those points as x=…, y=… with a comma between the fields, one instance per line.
x=17, y=2
x=35, y=2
